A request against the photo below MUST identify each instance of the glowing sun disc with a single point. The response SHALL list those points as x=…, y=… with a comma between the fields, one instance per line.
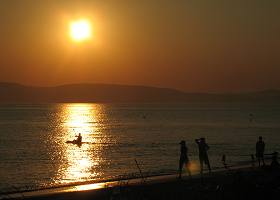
x=80, y=30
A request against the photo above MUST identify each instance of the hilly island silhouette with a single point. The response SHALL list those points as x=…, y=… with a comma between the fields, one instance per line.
x=114, y=93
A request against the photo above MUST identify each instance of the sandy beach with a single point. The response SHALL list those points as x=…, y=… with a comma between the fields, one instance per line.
x=236, y=183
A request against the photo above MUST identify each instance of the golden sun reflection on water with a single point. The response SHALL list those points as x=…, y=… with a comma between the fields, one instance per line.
x=81, y=161
x=87, y=187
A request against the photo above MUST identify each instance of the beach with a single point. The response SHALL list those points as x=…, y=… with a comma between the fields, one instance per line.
x=236, y=183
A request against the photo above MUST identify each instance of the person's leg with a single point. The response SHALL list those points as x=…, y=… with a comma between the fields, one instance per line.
x=188, y=168
x=201, y=164
x=180, y=168
x=207, y=163
x=263, y=160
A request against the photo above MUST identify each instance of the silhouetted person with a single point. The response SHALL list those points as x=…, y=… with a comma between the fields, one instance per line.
x=253, y=160
x=274, y=163
x=184, y=158
x=79, y=138
x=224, y=161
x=203, y=156
x=260, y=150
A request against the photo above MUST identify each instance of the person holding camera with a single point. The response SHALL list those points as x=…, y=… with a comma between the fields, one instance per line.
x=203, y=155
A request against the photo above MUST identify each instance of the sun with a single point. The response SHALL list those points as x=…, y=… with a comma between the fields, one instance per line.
x=80, y=30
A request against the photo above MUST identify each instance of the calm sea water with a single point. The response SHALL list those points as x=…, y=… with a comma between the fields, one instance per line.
x=33, y=152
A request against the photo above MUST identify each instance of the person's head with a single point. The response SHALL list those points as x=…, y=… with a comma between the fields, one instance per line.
x=183, y=143
x=202, y=139
x=260, y=138
x=79, y=134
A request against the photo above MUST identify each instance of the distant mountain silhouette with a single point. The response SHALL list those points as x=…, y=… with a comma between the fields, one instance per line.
x=106, y=93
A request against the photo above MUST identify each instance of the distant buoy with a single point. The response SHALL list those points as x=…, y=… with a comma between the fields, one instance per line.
x=251, y=117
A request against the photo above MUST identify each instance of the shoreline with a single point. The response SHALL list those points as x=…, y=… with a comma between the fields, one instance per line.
x=111, y=181
x=93, y=187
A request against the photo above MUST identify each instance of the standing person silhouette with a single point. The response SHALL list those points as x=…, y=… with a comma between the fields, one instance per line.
x=260, y=151
x=184, y=158
x=203, y=156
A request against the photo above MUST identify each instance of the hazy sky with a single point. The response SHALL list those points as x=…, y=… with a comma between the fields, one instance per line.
x=192, y=45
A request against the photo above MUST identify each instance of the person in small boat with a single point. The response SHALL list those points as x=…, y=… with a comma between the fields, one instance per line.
x=79, y=138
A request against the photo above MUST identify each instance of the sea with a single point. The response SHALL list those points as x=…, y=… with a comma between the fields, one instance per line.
x=120, y=140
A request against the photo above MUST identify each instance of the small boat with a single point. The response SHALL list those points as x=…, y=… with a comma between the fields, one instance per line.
x=79, y=143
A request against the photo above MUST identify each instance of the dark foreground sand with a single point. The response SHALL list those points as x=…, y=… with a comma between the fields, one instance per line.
x=244, y=183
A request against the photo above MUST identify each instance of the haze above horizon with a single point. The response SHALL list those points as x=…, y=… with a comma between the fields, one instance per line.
x=194, y=46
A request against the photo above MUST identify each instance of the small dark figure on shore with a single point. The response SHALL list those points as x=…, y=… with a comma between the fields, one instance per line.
x=260, y=151
x=274, y=163
x=203, y=156
x=184, y=159
x=224, y=161
x=253, y=160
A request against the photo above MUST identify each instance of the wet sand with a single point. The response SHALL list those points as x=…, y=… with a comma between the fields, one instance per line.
x=238, y=183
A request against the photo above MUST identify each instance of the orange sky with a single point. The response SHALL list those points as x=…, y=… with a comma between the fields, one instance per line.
x=190, y=45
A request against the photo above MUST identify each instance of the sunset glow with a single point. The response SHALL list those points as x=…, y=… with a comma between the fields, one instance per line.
x=80, y=30
x=139, y=99
x=170, y=45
